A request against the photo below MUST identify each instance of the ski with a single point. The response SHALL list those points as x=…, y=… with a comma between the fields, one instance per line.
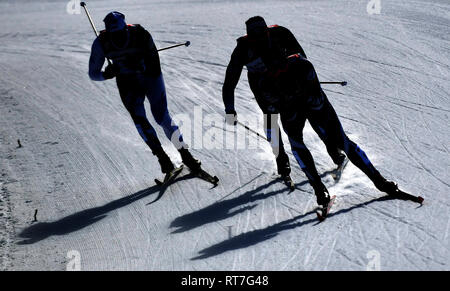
x=399, y=194
x=169, y=176
x=322, y=213
x=337, y=173
x=288, y=181
x=202, y=174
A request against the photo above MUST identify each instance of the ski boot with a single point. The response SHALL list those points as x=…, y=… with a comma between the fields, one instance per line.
x=193, y=164
x=341, y=160
x=392, y=190
x=322, y=196
x=284, y=170
x=341, y=163
x=165, y=162
x=337, y=156
x=388, y=187
x=283, y=166
x=325, y=202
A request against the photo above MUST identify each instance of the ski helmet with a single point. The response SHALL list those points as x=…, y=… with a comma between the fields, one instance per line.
x=114, y=21
x=256, y=27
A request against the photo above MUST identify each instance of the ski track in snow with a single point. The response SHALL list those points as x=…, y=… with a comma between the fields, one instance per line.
x=86, y=171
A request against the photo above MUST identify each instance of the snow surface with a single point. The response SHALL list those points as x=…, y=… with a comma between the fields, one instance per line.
x=85, y=169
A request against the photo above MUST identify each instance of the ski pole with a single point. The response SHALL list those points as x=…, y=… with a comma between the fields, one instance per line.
x=83, y=4
x=251, y=130
x=176, y=45
x=343, y=83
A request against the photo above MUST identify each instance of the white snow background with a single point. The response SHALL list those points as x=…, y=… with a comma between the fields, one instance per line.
x=87, y=172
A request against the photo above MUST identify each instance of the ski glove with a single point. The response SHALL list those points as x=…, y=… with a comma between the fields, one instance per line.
x=231, y=117
x=110, y=72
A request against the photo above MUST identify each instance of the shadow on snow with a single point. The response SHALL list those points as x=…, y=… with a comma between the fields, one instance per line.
x=224, y=209
x=248, y=239
x=79, y=220
x=84, y=218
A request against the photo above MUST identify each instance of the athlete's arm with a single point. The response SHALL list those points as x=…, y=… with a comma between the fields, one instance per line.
x=232, y=76
x=96, y=61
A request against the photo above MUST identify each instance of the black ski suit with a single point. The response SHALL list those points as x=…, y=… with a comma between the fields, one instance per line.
x=282, y=43
x=299, y=96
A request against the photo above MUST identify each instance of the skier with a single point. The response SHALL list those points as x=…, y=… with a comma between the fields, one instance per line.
x=136, y=67
x=261, y=45
x=296, y=93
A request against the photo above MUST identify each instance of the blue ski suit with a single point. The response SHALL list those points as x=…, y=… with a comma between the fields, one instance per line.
x=138, y=76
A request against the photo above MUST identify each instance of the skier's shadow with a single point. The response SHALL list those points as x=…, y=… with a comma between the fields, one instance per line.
x=163, y=188
x=226, y=208
x=247, y=239
x=79, y=220
x=222, y=210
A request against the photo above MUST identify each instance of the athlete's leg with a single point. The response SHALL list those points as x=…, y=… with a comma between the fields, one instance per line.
x=133, y=96
x=271, y=127
x=327, y=121
x=273, y=134
x=156, y=94
x=335, y=153
x=293, y=124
